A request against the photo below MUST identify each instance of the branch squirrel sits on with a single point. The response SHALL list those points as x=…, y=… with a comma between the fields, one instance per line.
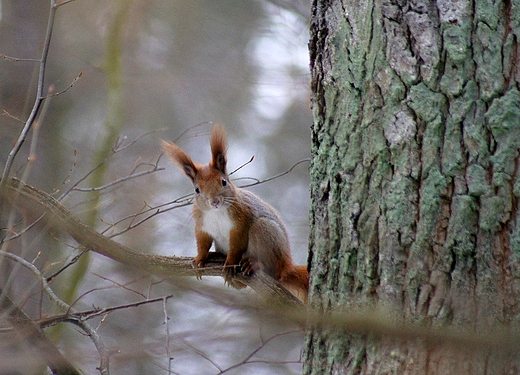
x=242, y=226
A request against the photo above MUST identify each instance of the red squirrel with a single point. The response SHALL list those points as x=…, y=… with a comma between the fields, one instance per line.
x=242, y=226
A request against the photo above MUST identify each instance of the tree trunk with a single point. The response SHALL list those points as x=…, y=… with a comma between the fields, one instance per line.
x=414, y=178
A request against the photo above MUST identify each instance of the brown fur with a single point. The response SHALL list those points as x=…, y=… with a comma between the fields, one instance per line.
x=257, y=236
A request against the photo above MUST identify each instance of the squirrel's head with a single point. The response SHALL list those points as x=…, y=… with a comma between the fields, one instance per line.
x=211, y=182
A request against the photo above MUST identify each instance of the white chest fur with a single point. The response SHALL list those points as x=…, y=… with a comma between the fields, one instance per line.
x=217, y=223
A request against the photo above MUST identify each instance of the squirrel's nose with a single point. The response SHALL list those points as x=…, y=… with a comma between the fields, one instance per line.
x=215, y=202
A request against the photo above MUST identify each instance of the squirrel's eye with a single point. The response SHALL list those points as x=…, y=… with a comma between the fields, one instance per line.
x=224, y=182
x=197, y=190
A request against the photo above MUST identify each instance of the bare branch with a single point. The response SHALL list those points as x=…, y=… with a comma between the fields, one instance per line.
x=100, y=346
x=38, y=202
x=258, y=182
x=15, y=59
x=67, y=88
x=70, y=263
x=38, y=100
x=167, y=333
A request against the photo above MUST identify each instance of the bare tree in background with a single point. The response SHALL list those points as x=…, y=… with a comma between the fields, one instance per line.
x=414, y=181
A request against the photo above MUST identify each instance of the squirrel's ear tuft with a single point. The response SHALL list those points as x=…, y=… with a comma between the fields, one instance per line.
x=218, y=144
x=180, y=159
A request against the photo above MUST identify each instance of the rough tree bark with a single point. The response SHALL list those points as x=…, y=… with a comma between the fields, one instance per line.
x=414, y=178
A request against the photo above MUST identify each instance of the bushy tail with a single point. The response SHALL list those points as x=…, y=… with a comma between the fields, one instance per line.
x=297, y=282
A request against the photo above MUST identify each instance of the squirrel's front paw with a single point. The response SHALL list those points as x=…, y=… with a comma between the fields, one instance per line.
x=248, y=266
x=197, y=263
x=229, y=276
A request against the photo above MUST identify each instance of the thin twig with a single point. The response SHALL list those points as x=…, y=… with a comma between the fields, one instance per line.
x=95, y=313
x=258, y=182
x=145, y=164
x=190, y=129
x=115, y=149
x=67, y=88
x=70, y=263
x=123, y=286
x=63, y=2
x=39, y=97
x=36, y=272
x=71, y=170
x=15, y=59
x=23, y=231
x=158, y=212
x=66, y=192
x=201, y=353
x=5, y=113
x=35, y=136
x=248, y=360
x=118, y=181
x=167, y=341
x=105, y=288
x=134, y=141
x=243, y=165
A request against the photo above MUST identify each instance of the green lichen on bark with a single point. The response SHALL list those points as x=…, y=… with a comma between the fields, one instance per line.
x=414, y=178
x=503, y=118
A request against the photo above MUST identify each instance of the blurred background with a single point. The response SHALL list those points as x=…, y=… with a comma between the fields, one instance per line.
x=129, y=73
